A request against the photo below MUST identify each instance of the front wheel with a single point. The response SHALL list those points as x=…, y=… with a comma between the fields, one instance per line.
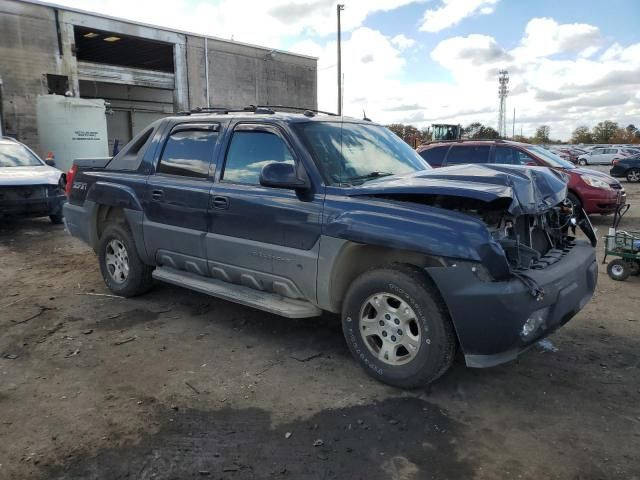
x=122, y=269
x=633, y=175
x=397, y=327
x=618, y=270
x=582, y=162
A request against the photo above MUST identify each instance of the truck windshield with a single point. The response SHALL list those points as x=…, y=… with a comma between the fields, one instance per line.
x=354, y=153
x=551, y=158
x=15, y=155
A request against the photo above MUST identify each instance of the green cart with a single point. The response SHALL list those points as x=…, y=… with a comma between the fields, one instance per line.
x=624, y=245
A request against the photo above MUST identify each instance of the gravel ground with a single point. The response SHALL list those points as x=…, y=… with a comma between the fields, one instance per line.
x=176, y=384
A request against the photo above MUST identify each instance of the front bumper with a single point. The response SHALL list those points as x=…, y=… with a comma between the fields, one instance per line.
x=600, y=200
x=32, y=207
x=489, y=316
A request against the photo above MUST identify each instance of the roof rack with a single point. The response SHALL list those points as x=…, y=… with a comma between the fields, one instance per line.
x=257, y=109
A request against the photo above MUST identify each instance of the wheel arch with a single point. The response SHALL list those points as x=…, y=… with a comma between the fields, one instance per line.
x=132, y=219
x=341, y=263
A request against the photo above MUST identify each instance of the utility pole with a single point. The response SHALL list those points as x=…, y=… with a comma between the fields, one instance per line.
x=339, y=8
x=513, y=125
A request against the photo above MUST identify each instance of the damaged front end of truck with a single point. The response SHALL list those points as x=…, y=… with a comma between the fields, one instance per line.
x=515, y=270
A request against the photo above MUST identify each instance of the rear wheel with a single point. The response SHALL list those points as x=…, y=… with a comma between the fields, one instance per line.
x=397, y=327
x=122, y=269
x=633, y=175
x=618, y=270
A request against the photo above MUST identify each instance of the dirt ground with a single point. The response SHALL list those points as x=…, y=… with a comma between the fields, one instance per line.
x=176, y=384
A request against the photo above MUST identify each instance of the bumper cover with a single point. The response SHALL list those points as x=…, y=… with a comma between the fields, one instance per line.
x=78, y=221
x=603, y=201
x=32, y=207
x=489, y=316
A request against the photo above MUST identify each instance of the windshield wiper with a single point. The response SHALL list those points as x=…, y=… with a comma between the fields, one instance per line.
x=368, y=176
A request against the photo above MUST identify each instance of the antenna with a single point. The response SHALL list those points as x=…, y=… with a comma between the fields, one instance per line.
x=503, y=92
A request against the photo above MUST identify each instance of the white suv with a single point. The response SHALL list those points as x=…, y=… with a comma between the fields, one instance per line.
x=601, y=156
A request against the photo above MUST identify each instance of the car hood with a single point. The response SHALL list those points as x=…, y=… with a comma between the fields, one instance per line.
x=530, y=190
x=33, y=175
x=595, y=173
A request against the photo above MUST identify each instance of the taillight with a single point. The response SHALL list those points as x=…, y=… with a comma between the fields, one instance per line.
x=70, y=174
x=616, y=162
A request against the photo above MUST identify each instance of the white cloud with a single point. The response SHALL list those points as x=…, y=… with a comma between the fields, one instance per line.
x=564, y=91
x=545, y=37
x=403, y=42
x=265, y=23
x=452, y=12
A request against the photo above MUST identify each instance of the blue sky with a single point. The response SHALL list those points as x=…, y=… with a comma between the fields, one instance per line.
x=571, y=62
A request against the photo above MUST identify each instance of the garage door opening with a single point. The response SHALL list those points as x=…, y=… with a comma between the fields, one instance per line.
x=98, y=46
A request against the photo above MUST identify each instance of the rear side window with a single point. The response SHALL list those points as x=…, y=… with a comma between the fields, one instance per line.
x=511, y=156
x=435, y=156
x=249, y=152
x=468, y=154
x=188, y=153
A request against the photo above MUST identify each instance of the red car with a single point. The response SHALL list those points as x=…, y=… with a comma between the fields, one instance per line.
x=594, y=191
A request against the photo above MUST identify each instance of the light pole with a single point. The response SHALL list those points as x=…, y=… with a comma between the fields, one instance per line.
x=339, y=8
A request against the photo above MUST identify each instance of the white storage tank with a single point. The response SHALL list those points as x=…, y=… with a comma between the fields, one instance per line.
x=72, y=128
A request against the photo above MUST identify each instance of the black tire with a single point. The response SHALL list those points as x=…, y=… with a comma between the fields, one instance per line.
x=437, y=338
x=57, y=218
x=575, y=202
x=633, y=175
x=582, y=162
x=138, y=279
x=634, y=268
x=618, y=270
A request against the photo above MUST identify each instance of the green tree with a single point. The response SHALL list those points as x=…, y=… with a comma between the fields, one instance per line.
x=603, y=132
x=581, y=135
x=542, y=134
x=476, y=131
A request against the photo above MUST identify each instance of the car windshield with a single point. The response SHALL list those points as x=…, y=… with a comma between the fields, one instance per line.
x=549, y=157
x=16, y=155
x=353, y=153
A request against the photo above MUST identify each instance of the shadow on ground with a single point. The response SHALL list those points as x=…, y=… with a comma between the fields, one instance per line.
x=397, y=438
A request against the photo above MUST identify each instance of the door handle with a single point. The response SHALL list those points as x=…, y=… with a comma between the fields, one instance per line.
x=219, y=202
x=157, y=194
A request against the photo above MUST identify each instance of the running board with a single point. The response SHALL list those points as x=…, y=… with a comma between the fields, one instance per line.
x=269, y=302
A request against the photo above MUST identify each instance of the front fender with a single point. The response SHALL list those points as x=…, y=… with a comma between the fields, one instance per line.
x=414, y=227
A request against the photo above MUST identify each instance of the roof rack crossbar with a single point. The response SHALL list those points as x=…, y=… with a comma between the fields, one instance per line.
x=300, y=109
x=259, y=109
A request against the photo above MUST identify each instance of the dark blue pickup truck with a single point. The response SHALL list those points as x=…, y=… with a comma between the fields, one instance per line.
x=296, y=214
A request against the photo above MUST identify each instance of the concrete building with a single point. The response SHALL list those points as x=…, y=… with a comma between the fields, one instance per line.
x=142, y=71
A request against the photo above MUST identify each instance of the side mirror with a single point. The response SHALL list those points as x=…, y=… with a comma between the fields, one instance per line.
x=51, y=162
x=532, y=164
x=281, y=175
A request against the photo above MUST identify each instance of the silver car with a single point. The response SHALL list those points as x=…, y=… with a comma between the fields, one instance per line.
x=601, y=156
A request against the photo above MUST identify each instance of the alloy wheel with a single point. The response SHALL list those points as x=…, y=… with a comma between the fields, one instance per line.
x=117, y=261
x=390, y=328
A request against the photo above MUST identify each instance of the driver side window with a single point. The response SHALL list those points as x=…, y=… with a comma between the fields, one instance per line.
x=249, y=151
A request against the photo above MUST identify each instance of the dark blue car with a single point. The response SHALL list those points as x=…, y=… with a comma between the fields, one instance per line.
x=628, y=167
x=296, y=214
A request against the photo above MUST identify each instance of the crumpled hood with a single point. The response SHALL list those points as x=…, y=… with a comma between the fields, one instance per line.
x=532, y=190
x=33, y=175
